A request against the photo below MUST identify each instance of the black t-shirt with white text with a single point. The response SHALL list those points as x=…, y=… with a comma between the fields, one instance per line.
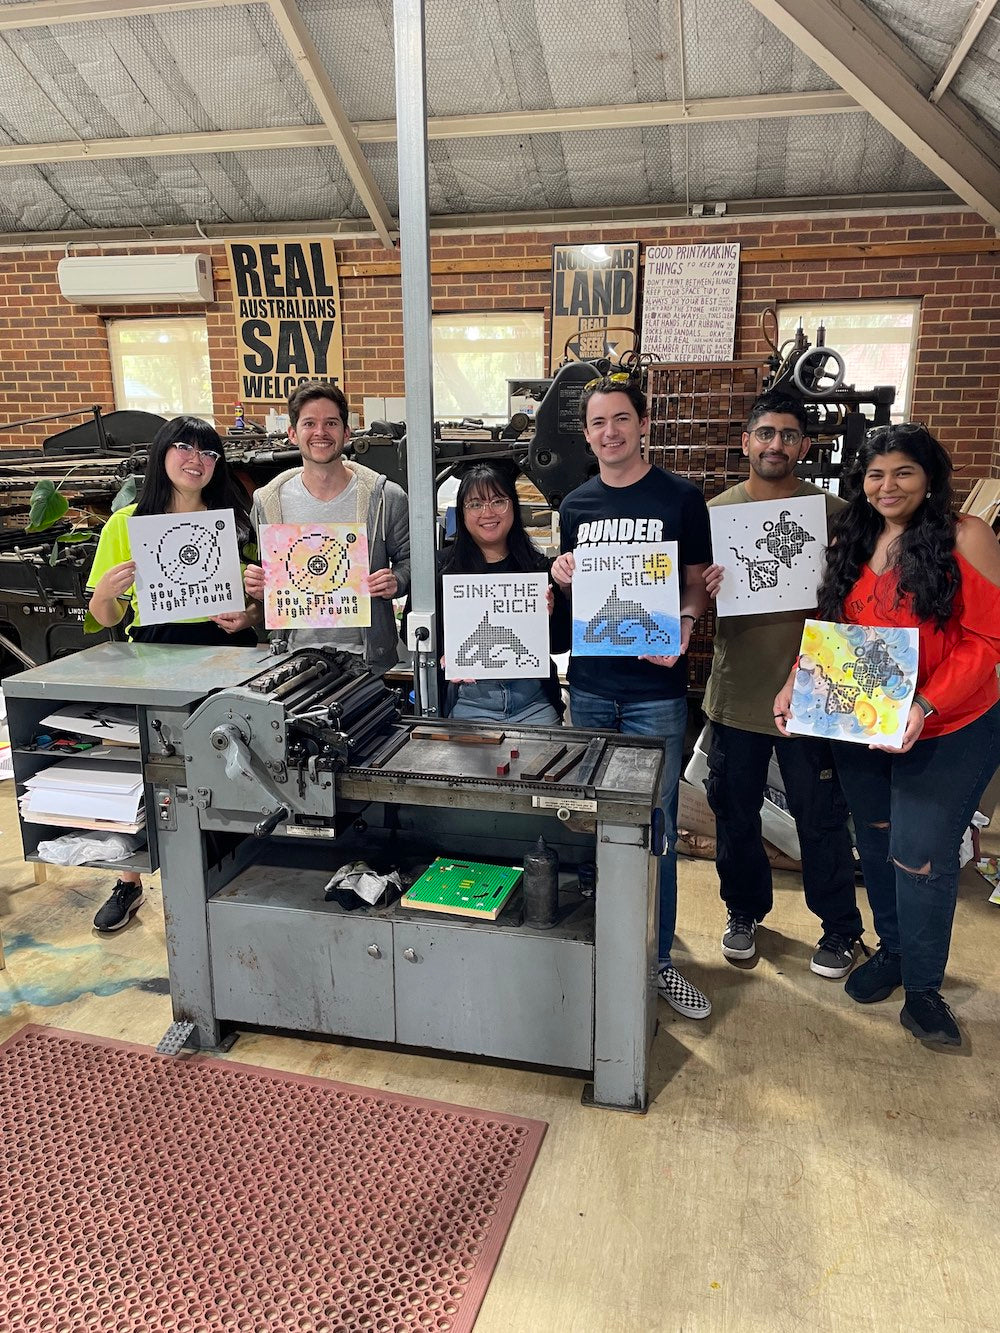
x=660, y=507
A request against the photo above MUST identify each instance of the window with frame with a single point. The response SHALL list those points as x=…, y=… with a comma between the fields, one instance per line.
x=476, y=354
x=161, y=365
x=877, y=339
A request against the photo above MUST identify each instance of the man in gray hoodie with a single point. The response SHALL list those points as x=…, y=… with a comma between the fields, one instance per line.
x=328, y=488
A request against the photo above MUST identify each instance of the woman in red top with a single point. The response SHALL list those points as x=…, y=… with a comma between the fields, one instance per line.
x=899, y=555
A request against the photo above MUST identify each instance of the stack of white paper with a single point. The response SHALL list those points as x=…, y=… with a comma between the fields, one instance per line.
x=77, y=793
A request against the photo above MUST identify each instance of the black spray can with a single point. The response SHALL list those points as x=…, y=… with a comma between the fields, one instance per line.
x=541, y=886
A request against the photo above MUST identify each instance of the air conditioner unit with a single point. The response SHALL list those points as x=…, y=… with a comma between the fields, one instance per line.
x=145, y=279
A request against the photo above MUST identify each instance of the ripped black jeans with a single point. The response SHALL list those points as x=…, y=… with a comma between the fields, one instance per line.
x=924, y=801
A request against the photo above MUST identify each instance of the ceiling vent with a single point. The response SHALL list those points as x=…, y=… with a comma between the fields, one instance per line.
x=142, y=279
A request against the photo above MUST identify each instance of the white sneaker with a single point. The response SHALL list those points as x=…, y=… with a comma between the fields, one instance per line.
x=681, y=995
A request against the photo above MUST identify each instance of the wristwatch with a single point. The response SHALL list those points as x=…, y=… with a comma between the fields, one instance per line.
x=924, y=704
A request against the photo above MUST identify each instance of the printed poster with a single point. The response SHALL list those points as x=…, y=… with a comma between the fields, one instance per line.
x=626, y=601
x=772, y=552
x=854, y=682
x=689, y=301
x=286, y=304
x=594, y=301
x=314, y=575
x=496, y=626
x=187, y=566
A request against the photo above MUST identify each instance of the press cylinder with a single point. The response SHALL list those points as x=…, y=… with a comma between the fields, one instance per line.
x=540, y=886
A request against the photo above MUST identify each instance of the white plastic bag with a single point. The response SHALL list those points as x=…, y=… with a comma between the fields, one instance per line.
x=76, y=849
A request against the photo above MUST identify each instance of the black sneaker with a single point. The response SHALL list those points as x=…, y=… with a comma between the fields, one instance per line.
x=835, y=955
x=738, y=941
x=926, y=1015
x=876, y=978
x=121, y=907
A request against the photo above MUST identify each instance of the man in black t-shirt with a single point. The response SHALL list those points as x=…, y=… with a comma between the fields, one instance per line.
x=630, y=500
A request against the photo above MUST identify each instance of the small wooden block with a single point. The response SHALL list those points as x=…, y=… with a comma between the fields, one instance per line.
x=544, y=761
x=503, y=769
x=515, y=753
x=458, y=737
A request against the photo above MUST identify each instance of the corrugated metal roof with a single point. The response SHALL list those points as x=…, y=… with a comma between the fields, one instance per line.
x=218, y=69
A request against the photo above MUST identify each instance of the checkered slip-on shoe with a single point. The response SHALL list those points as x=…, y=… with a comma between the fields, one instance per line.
x=681, y=995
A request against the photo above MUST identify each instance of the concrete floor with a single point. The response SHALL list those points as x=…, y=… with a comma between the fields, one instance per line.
x=805, y=1164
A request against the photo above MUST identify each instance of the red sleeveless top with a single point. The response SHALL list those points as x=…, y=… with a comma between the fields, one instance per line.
x=957, y=673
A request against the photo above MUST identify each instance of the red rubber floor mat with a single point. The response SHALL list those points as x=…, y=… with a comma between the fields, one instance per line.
x=149, y=1192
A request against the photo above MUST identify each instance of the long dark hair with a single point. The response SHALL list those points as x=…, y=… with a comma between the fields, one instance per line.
x=221, y=491
x=479, y=482
x=924, y=555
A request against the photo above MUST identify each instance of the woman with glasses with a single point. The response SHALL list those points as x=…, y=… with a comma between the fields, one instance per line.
x=490, y=539
x=186, y=473
x=900, y=556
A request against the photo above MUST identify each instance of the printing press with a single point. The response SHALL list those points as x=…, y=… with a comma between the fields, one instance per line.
x=265, y=774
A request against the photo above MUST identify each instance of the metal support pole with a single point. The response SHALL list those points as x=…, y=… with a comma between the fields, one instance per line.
x=414, y=241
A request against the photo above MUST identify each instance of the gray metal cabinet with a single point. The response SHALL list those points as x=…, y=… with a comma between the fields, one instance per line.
x=313, y=971
x=509, y=994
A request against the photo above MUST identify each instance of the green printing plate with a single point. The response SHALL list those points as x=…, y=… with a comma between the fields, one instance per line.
x=464, y=888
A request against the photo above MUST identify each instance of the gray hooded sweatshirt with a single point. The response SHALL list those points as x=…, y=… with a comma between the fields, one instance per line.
x=388, y=547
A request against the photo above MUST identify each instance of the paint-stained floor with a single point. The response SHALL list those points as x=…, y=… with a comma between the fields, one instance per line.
x=805, y=1164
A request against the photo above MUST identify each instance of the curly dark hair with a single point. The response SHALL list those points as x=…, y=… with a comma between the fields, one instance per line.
x=925, y=553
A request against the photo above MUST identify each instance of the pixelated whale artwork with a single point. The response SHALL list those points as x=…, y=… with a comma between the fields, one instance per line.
x=496, y=626
x=622, y=622
x=494, y=646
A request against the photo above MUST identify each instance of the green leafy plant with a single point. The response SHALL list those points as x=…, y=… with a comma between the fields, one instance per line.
x=49, y=505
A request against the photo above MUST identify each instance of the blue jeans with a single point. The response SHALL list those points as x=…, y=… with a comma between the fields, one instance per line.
x=647, y=717
x=923, y=801
x=523, y=701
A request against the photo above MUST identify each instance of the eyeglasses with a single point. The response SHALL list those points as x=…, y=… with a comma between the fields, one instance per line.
x=766, y=434
x=497, y=506
x=619, y=377
x=209, y=455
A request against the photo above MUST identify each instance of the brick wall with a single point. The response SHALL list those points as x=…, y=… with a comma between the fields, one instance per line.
x=53, y=356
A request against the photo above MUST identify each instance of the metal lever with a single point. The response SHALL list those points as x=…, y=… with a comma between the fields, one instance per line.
x=267, y=826
x=166, y=748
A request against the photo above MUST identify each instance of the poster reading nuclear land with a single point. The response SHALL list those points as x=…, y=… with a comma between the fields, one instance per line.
x=495, y=626
x=286, y=305
x=854, y=682
x=187, y=566
x=626, y=601
x=594, y=301
x=314, y=576
x=772, y=552
x=689, y=301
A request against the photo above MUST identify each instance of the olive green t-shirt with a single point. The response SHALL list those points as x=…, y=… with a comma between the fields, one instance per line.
x=752, y=655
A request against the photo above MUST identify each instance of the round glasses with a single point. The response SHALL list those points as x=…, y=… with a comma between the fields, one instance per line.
x=497, y=506
x=209, y=455
x=766, y=434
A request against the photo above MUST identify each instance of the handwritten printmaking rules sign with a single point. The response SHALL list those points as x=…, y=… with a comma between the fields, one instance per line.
x=496, y=626
x=626, y=601
x=689, y=301
x=854, y=682
x=772, y=552
x=314, y=576
x=187, y=566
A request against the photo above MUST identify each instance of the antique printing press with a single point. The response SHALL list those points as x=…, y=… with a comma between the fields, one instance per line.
x=264, y=775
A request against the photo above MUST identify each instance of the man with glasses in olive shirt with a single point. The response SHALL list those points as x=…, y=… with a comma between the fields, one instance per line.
x=750, y=662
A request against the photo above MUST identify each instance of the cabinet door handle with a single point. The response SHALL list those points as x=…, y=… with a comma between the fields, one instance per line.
x=374, y=951
x=410, y=955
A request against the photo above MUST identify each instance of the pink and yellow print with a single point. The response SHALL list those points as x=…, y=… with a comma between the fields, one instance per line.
x=315, y=576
